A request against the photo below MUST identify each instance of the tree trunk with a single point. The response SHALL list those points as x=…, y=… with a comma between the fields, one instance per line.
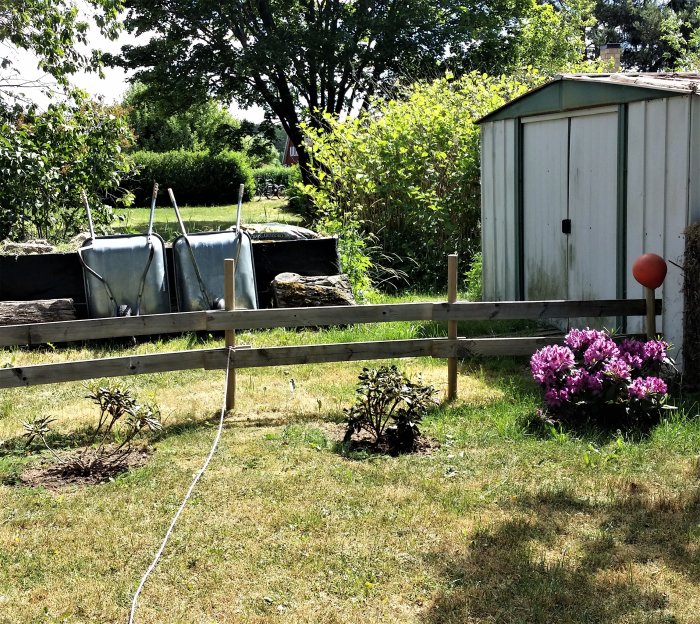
x=38, y=311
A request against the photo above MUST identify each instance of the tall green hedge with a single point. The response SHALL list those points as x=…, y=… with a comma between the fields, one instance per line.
x=197, y=178
x=277, y=174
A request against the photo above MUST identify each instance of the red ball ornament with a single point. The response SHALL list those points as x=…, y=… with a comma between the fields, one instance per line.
x=649, y=270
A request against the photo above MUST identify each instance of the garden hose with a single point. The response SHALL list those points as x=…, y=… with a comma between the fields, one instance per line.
x=196, y=478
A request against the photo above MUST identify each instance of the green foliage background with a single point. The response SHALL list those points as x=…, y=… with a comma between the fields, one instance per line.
x=407, y=173
x=48, y=158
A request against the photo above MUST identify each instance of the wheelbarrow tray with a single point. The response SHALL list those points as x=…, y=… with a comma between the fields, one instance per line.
x=121, y=261
x=209, y=250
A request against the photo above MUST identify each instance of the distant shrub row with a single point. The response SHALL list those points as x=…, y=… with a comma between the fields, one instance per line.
x=198, y=178
x=277, y=174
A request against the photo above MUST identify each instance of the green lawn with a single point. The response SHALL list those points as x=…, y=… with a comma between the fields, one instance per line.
x=204, y=218
x=506, y=522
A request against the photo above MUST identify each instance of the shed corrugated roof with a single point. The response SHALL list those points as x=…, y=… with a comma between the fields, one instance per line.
x=688, y=82
x=572, y=91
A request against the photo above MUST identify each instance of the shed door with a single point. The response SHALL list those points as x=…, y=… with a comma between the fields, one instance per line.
x=570, y=172
x=545, y=181
x=592, y=248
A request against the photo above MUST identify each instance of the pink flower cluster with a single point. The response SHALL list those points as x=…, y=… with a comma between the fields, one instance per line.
x=591, y=368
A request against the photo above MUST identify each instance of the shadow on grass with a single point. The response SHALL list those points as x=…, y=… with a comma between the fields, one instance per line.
x=503, y=574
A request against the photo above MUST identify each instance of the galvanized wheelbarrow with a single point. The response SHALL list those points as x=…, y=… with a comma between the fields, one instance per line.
x=198, y=261
x=125, y=275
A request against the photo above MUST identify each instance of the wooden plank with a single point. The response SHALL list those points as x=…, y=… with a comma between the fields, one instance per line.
x=452, y=270
x=212, y=359
x=243, y=357
x=111, y=367
x=69, y=331
x=469, y=347
x=230, y=335
x=218, y=320
x=339, y=352
x=320, y=316
x=221, y=320
x=539, y=310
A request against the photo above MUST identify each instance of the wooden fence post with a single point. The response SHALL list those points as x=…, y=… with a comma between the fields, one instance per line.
x=650, y=296
x=230, y=335
x=452, y=326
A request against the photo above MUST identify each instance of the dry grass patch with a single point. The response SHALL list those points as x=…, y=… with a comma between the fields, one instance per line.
x=504, y=523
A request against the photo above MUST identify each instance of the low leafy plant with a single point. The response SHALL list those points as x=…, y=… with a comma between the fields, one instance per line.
x=594, y=377
x=389, y=407
x=121, y=419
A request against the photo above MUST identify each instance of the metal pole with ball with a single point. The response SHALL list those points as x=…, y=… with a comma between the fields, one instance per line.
x=650, y=271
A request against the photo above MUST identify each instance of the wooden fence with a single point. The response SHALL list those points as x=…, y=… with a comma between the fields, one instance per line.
x=245, y=357
x=235, y=357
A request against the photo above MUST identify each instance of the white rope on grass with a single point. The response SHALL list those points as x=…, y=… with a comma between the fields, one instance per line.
x=197, y=476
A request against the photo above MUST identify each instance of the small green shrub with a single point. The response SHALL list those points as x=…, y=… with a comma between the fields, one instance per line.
x=389, y=407
x=198, y=178
x=121, y=418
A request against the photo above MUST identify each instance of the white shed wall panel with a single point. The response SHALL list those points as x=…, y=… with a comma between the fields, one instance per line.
x=498, y=215
x=694, y=189
x=659, y=142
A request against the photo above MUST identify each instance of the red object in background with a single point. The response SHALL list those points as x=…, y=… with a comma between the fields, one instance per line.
x=649, y=270
x=291, y=156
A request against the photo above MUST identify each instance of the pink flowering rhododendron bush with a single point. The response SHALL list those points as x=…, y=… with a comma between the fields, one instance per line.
x=592, y=376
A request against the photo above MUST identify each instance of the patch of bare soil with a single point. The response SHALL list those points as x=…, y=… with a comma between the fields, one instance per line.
x=56, y=476
x=363, y=441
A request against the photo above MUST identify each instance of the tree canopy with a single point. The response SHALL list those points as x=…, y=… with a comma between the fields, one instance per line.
x=55, y=32
x=300, y=57
x=655, y=34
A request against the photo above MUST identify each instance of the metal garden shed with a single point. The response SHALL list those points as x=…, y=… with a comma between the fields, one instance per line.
x=582, y=175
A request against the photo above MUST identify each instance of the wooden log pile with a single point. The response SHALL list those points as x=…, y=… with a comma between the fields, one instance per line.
x=38, y=311
x=297, y=291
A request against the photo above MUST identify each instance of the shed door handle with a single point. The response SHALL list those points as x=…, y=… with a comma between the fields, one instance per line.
x=566, y=226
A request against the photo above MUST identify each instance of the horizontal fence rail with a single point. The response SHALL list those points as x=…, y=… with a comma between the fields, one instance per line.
x=219, y=320
x=245, y=357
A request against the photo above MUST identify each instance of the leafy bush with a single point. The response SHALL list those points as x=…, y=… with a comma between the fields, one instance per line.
x=473, y=277
x=198, y=178
x=593, y=377
x=46, y=160
x=389, y=407
x=121, y=418
x=407, y=171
